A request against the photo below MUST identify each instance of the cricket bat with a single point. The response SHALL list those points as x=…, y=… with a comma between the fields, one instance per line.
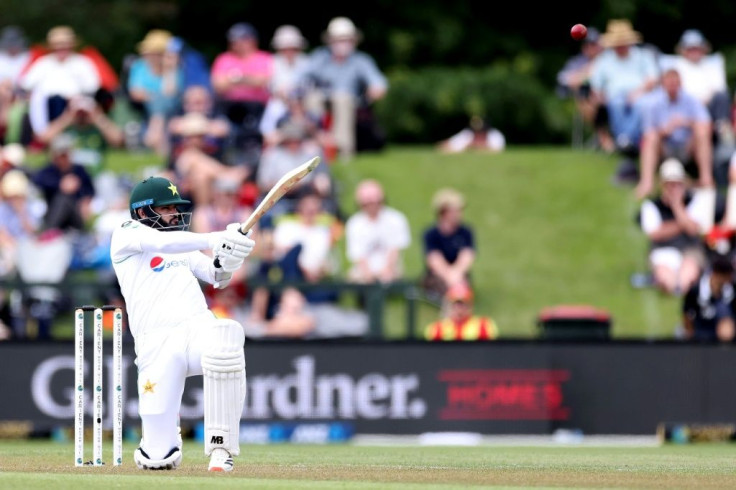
x=284, y=185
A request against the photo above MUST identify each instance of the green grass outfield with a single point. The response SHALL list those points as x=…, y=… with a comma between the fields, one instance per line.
x=551, y=228
x=47, y=465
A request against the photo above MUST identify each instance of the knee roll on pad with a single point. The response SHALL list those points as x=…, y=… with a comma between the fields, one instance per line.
x=223, y=369
x=170, y=462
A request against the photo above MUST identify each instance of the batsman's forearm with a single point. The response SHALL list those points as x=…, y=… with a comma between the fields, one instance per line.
x=175, y=242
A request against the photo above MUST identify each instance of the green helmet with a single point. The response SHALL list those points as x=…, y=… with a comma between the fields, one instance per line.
x=158, y=191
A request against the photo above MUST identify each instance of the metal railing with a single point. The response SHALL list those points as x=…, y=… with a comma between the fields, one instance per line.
x=374, y=296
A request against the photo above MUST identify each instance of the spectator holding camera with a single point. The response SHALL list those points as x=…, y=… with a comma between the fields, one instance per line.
x=709, y=305
x=66, y=187
x=671, y=222
x=92, y=130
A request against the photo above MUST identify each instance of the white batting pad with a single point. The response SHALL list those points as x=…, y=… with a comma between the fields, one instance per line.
x=223, y=369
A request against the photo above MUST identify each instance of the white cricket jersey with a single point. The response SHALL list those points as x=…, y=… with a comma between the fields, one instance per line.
x=160, y=289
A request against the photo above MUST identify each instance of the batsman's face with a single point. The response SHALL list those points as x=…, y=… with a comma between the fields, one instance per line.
x=169, y=214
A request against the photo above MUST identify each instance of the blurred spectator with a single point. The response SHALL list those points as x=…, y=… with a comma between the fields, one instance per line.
x=197, y=99
x=479, y=136
x=241, y=78
x=87, y=122
x=304, y=243
x=619, y=77
x=195, y=168
x=293, y=150
x=297, y=113
x=19, y=214
x=348, y=82
x=14, y=54
x=19, y=218
x=375, y=237
x=301, y=248
x=289, y=61
x=292, y=317
x=670, y=221
x=449, y=245
x=703, y=75
x=573, y=80
x=676, y=125
x=67, y=188
x=195, y=69
x=56, y=77
x=155, y=82
x=460, y=322
x=222, y=209
x=710, y=304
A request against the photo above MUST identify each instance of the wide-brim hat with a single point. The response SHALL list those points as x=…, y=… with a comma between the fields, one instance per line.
x=692, y=38
x=341, y=28
x=288, y=37
x=61, y=37
x=155, y=42
x=620, y=33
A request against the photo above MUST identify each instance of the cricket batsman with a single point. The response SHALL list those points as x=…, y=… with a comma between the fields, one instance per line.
x=157, y=263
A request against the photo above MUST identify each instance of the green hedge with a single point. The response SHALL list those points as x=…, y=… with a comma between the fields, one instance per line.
x=427, y=105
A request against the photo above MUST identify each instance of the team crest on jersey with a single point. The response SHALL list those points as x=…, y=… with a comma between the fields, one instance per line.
x=157, y=264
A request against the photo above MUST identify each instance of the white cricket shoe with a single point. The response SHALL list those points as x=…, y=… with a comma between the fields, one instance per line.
x=170, y=462
x=220, y=460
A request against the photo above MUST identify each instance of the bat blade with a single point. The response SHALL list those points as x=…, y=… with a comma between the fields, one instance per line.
x=284, y=185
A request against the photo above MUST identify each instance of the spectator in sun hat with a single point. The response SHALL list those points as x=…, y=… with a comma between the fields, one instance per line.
x=156, y=82
x=703, y=74
x=347, y=79
x=14, y=54
x=56, y=77
x=459, y=322
x=449, y=244
x=619, y=78
x=289, y=61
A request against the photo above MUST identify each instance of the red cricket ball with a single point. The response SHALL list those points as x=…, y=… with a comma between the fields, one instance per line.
x=578, y=32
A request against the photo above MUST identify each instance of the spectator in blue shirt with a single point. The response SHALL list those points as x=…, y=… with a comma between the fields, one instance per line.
x=449, y=245
x=675, y=125
x=66, y=187
x=345, y=78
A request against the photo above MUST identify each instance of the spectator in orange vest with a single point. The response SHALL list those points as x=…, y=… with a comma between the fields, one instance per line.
x=461, y=323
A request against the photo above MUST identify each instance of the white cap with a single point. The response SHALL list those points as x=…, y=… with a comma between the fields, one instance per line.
x=288, y=36
x=14, y=153
x=341, y=28
x=672, y=170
